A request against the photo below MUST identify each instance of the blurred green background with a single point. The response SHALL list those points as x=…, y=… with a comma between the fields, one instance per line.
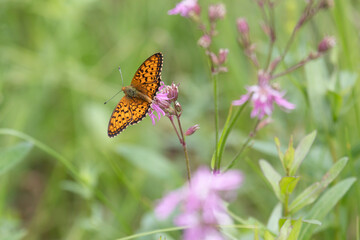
x=58, y=64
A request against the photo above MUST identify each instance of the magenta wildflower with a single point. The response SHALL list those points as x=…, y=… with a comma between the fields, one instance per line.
x=263, y=97
x=202, y=203
x=185, y=7
x=162, y=101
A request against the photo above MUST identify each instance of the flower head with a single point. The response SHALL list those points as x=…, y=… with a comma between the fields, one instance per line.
x=217, y=11
x=219, y=60
x=185, y=8
x=204, y=41
x=162, y=101
x=202, y=203
x=263, y=97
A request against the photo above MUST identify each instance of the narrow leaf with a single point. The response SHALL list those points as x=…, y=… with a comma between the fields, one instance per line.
x=310, y=194
x=287, y=184
x=289, y=157
x=272, y=176
x=296, y=227
x=326, y=203
x=301, y=151
x=285, y=230
x=268, y=236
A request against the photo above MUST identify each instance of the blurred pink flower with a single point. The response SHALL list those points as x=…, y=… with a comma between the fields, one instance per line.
x=216, y=11
x=202, y=203
x=263, y=97
x=185, y=7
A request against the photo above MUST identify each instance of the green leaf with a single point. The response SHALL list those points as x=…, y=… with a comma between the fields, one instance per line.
x=273, y=222
x=272, y=176
x=287, y=184
x=327, y=202
x=296, y=227
x=148, y=160
x=310, y=194
x=285, y=230
x=268, y=236
x=289, y=157
x=278, y=147
x=11, y=156
x=301, y=151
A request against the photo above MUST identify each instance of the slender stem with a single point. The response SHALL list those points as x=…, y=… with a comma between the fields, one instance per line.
x=182, y=142
x=216, y=106
x=185, y=148
x=272, y=36
x=250, y=136
x=230, y=123
x=177, y=133
x=296, y=66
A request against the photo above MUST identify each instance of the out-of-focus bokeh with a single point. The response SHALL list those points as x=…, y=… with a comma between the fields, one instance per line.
x=59, y=63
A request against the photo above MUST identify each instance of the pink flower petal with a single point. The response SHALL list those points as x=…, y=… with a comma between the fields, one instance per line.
x=168, y=204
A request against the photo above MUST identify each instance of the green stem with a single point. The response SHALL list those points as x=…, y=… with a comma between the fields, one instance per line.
x=216, y=106
x=229, y=125
x=251, y=136
x=183, y=143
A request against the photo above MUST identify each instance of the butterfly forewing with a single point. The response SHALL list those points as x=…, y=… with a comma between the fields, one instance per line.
x=147, y=77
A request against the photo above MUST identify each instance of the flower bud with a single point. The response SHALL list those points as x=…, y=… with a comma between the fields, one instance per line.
x=223, y=55
x=204, y=41
x=327, y=43
x=192, y=130
x=242, y=26
x=173, y=91
x=178, y=107
x=217, y=11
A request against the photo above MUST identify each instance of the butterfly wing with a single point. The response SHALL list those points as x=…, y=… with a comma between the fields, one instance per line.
x=147, y=78
x=138, y=108
x=121, y=117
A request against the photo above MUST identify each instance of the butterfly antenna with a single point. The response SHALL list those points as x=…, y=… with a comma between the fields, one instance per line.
x=122, y=83
x=122, y=80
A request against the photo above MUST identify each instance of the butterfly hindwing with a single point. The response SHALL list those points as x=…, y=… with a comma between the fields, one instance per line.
x=120, y=118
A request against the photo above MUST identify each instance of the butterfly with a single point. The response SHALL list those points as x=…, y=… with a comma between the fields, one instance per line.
x=133, y=107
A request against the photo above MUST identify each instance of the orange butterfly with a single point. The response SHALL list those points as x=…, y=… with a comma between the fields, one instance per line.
x=138, y=96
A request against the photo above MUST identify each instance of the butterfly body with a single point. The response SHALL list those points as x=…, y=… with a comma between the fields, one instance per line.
x=131, y=92
x=134, y=106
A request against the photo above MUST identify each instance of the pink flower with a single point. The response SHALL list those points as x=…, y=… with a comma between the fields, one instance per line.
x=242, y=26
x=162, y=101
x=204, y=41
x=202, y=203
x=185, y=7
x=263, y=97
x=216, y=11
